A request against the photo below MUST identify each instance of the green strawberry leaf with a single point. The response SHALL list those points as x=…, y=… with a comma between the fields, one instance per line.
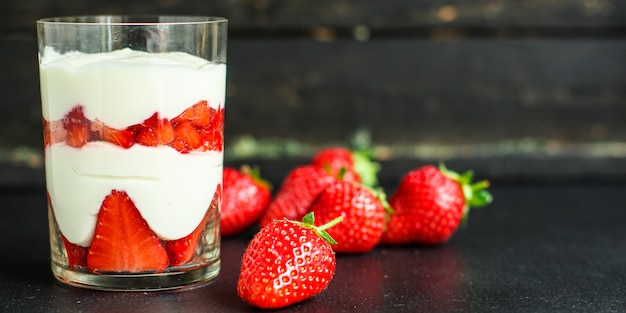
x=481, y=198
x=365, y=167
x=255, y=173
x=308, y=221
x=475, y=194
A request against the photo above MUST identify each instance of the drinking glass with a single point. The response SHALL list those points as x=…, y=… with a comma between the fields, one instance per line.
x=133, y=119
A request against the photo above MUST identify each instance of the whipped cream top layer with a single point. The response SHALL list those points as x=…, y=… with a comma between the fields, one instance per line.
x=125, y=87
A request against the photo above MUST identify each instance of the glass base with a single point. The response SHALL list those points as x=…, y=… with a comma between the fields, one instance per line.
x=138, y=282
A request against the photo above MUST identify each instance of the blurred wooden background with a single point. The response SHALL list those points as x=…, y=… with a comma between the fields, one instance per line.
x=419, y=79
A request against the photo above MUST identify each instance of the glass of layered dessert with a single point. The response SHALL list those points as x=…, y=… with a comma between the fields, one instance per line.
x=133, y=119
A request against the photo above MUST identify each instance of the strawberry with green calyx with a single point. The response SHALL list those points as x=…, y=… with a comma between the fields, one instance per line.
x=287, y=262
x=363, y=210
x=475, y=194
x=430, y=203
x=298, y=190
x=246, y=195
x=357, y=163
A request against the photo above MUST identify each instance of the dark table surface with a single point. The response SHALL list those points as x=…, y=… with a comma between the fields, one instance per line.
x=537, y=248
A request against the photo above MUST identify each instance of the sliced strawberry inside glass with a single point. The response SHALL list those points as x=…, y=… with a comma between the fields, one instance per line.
x=77, y=127
x=186, y=138
x=123, y=241
x=153, y=131
x=123, y=138
x=147, y=137
x=199, y=114
x=47, y=139
x=199, y=127
x=76, y=255
x=165, y=132
x=182, y=250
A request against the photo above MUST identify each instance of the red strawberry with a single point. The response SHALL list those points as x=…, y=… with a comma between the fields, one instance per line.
x=123, y=242
x=357, y=165
x=212, y=135
x=286, y=262
x=186, y=138
x=246, y=195
x=147, y=137
x=53, y=132
x=296, y=194
x=165, y=132
x=199, y=127
x=199, y=114
x=76, y=255
x=363, y=211
x=430, y=204
x=182, y=250
x=153, y=131
x=77, y=127
x=121, y=137
x=47, y=140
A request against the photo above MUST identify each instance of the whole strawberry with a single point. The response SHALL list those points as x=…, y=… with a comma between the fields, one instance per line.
x=357, y=165
x=430, y=203
x=298, y=190
x=363, y=211
x=245, y=197
x=286, y=262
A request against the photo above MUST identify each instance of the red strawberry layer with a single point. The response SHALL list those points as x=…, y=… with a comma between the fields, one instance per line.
x=124, y=243
x=183, y=250
x=200, y=127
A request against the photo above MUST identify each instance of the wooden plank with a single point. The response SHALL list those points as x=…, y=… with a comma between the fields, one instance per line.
x=380, y=17
x=423, y=91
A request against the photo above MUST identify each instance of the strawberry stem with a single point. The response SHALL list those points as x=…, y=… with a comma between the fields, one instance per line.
x=365, y=167
x=255, y=173
x=476, y=194
x=308, y=221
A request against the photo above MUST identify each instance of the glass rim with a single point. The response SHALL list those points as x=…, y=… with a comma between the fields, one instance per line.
x=132, y=20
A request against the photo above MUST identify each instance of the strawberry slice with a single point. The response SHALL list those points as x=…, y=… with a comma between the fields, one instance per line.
x=123, y=241
x=153, y=131
x=47, y=138
x=147, y=137
x=186, y=138
x=182, y=250
x=198, y=114
x=76, y=255
x=145, y=133
x=53, y=132
x=165, y=132
x=77, y=127
x=123, y=138
x=212, y=134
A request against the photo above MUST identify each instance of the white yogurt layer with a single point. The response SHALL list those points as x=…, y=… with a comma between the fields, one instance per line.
x=125, y=87
x=172, y=191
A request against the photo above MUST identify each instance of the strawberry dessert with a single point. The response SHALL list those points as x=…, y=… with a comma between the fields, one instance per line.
x=133, y=158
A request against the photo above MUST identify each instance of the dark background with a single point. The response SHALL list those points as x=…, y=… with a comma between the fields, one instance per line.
x=529, y=93
x=516, y=88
